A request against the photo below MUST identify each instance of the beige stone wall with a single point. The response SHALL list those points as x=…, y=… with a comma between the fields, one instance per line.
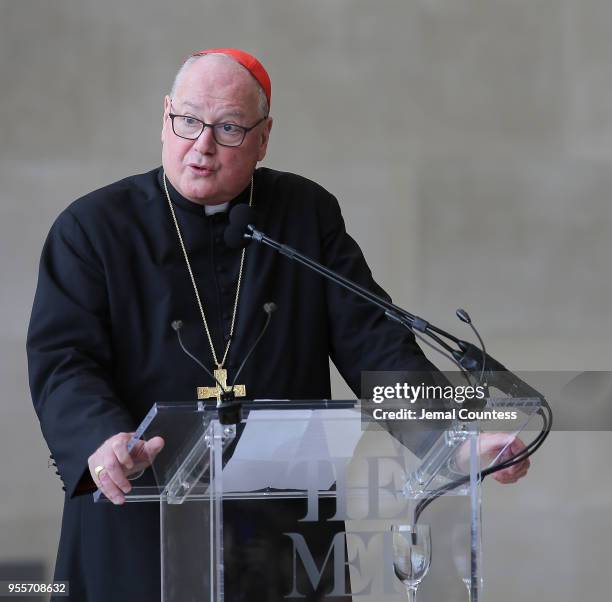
x=470, y=145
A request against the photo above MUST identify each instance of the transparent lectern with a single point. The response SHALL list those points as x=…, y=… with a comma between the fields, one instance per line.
x=310, y=501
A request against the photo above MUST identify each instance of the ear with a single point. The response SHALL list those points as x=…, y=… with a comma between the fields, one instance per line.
x=165, y=117
x=264, y=139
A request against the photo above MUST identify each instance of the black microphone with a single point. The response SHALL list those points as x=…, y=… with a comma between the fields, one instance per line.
x=465, y=317
x=495, y=373
x=270, y=307
x=241, y=216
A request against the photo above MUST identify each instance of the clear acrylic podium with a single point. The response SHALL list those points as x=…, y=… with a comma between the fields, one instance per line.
x=300, y=500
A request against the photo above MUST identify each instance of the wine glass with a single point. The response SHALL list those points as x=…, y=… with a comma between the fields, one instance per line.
x=411, y=555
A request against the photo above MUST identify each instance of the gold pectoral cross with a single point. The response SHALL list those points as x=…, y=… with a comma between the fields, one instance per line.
x=216, y=391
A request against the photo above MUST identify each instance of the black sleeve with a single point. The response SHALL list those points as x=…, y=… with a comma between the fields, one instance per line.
x=362, y=338
x=70, y=358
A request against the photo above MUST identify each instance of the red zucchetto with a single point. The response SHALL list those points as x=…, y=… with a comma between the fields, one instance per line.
x=248, y=61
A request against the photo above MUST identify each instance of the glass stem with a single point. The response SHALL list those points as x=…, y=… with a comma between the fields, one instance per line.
x=411, y=593
x=468, y=584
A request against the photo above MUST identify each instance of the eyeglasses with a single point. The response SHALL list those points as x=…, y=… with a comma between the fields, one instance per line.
x=225, y=134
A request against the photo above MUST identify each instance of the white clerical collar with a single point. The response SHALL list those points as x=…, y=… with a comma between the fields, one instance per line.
x=212, y=209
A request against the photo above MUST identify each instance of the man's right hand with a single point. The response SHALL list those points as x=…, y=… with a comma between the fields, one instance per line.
x=119, y=464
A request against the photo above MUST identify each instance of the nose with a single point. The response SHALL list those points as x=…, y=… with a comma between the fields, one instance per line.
x=206, y=144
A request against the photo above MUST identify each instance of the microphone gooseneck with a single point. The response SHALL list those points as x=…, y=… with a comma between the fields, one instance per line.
x=465, y=355
x=229, y=409
x=177, y=325
x=269, y=307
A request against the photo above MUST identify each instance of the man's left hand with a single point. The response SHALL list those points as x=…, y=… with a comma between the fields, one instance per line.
x=490, y=445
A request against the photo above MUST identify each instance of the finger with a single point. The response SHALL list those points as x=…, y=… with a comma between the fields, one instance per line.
x=521, y=466
x=515, y=448
x=115, y=470
x=509, y=475
x=496, y=441
x=96, y=462
x=516, y=471
x=492, y=444
x=140, y=458
x=145, y=452
x=93, y=463
x=520, y=475
x=110, y=489
x=505, y=479
x=119, y=446
x=154, y=446
x=517, y=445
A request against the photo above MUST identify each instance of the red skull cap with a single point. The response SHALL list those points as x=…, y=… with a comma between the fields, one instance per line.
x=248, y=61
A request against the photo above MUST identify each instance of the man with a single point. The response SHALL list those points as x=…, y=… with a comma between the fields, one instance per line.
x=120, y=264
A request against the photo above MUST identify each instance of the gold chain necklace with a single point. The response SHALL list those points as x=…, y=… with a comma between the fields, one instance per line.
x=220, y=372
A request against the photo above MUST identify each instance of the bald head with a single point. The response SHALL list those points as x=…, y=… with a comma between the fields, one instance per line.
x=196, y=66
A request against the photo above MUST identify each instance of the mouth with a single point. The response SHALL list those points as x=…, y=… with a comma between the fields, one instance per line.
x=201, y=170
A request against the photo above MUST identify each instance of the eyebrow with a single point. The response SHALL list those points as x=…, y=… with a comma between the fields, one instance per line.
x=228, y=113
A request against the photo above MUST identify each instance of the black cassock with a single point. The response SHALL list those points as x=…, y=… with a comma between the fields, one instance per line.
x=101, y=349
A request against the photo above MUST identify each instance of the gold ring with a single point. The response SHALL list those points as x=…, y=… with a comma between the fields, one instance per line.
x=98, y=470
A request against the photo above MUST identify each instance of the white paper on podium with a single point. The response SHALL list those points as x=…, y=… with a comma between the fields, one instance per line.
x=276, y=445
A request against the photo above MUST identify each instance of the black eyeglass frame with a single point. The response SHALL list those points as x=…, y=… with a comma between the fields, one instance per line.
x=245, y=130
